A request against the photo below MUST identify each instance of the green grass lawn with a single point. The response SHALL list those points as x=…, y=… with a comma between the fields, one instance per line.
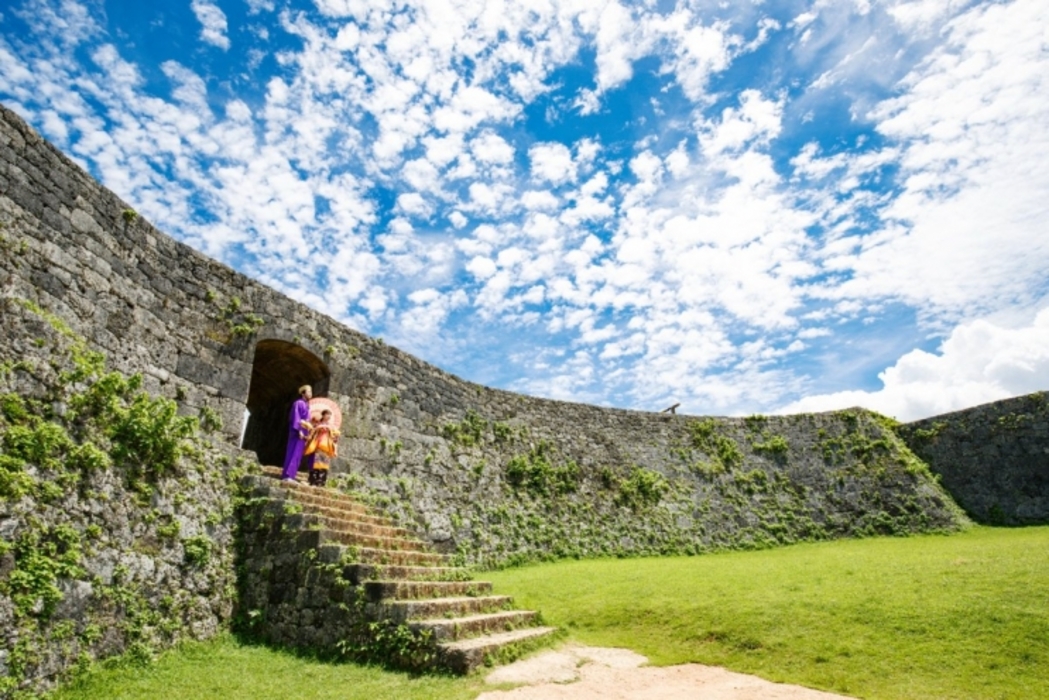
x=960, y=616
x=226, y=669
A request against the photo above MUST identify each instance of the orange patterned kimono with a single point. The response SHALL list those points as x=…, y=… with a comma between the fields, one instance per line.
x=323, y=446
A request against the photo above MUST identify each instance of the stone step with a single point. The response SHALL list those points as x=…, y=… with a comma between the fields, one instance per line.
x=359, y=573
x=309, y=496
x=354, y=539
x=362, y=528
x=416, y=590
x=327, y=498
x=466, y=655
x=275, y=472
x=333, y=552
x=445, y=608
x=304, y=491
x=450, y=629
x=402, y=580
x=338, y=513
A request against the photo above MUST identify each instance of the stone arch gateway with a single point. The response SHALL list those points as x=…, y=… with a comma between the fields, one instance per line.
x=278, y=370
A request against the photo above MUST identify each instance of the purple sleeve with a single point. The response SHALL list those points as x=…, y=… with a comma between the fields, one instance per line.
x=300, y=411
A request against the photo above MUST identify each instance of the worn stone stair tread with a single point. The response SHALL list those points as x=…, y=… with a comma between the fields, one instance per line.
x=440, y=621
x=467, y=626
x=332, y=552
x=340, y=506
x=360, y=572
x=377, y=541
x=464, y=656
x=310, y=496
x=451, y=608
x=335, y=552
x=496, y=639
x=305, y=492
x=402, y=579
x=389, y=544
x=399, y=589
x=375, y=555
x=366, y=528
x=330, y=499
x=338, y=514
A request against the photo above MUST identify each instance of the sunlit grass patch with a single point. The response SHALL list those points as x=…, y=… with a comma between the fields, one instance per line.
x=224, y=668
x=961, y=616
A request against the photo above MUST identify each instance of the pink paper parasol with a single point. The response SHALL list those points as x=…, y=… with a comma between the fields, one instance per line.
x=319, y=403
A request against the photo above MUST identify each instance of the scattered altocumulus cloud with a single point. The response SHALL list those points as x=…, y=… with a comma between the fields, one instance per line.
x=213, y=23
x=600, y=201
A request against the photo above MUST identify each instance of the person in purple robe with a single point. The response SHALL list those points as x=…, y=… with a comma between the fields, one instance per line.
x=299, y=427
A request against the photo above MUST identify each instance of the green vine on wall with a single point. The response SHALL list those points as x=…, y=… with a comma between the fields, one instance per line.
x=86, y=421
x=237, y=321
x=722, y=452
x=467, y=432
x=644, y=488
x=536, y=473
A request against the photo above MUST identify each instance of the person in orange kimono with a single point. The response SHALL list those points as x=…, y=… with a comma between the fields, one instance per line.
x=323, y=446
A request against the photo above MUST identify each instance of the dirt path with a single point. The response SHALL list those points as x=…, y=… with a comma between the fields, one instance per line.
x=593, y=673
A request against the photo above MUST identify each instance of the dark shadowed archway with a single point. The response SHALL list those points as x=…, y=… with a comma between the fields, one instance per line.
x=278, y=371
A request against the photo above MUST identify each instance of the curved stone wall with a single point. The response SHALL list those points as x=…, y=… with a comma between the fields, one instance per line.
x=97, y=558
x=492, y=476
x=463, y=464
x=994, y=458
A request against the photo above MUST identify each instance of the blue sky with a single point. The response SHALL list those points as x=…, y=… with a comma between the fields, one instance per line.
x=739, y=206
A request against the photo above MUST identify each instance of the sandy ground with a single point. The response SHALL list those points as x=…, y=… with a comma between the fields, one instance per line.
x=592, y=673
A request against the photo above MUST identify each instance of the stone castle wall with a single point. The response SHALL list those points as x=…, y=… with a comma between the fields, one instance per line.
x=429, y=445
x=96, y=559
x=491, y=476
x=994, y=458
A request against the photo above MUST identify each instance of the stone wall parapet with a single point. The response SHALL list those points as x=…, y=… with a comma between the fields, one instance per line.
x=993, y=458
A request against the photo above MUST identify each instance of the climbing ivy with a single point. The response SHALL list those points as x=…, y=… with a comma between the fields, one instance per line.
x=85, y=423
x=722, y=452
x=642, y=489
x=536, y=473
x=467, y=432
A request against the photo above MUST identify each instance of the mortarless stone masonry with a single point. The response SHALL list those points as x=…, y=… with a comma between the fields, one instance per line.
x=994, y=458
x=156, y=306
x=489, y=476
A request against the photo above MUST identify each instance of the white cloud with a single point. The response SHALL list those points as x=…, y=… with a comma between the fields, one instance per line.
x=213, y=23
x=488, y=198
x=481, y=267
x=413, y=203
x=699, y=51
x=457, y=219
x=257, y=6
x=979, y=362
x=552, y=162
x=972, y=128
x=423, y=320
x=756, y=119
x=538, y=200
x=618, y=44
x=442, y=151
x=921, y=13
x=684, y=245
x=492, y=148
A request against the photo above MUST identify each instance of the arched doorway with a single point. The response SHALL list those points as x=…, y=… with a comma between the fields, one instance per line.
x=278, y=371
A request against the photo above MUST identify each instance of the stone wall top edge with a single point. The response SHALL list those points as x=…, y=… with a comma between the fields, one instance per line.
x=1001, y=405
x=283, y=328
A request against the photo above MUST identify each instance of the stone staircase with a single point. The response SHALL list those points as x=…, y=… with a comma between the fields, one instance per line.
x=316, y=563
